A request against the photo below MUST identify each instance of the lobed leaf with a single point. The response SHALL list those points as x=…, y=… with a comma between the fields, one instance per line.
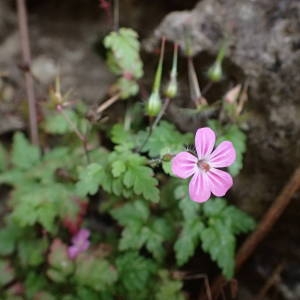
x=135, y=272
x=24, y=155
x=189, y=238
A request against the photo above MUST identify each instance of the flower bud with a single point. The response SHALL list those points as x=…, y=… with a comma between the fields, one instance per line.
x=232, y=95
x=215, y=73
x=171, y=89
x=153, y=105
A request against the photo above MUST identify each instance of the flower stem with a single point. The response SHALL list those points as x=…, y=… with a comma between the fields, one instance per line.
x=195, y=91
x=155, y=122
x=73, y=126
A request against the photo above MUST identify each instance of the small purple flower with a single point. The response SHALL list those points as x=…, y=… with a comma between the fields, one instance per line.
x=80, y=243
x=206, y=178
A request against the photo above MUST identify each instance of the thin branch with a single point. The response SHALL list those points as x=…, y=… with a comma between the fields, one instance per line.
x=108, y=103
x=26, y=56
x=162, y=112
x=116, y=14
x=265, y=226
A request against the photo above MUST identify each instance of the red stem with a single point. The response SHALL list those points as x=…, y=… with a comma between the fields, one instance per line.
x=26, y=56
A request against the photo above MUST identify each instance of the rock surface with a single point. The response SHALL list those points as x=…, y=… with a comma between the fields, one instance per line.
x=264, y=39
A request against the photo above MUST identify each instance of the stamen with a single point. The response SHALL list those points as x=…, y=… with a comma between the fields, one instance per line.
x=203, y=165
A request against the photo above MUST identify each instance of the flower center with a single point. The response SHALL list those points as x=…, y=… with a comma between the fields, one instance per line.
x=203, y=165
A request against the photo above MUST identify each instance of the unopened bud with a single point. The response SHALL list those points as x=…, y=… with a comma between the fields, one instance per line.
x=153, y=105
x=215, y=73
x=232, y=95
x=167, y=157
x=171, y=89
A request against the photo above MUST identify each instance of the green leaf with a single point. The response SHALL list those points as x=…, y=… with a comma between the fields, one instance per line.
x=85, y=293
x=219, y=242
x=188, y=241
x=95, y=273
x=135, y=273
x=237, y=220
x=214, y=207
x=44, y=295
x=125, y=49
x=57, y=123
x=59, y=261
x=127, y=87
x=56, y=276
x=132, y=237
x=34, y=282
x=24, y=155
x=133, y=216
x=31, y=251
x=155, y=234
x=189, y=208
x=165, y=139
x=3, y=158
x=118, y=168
x=9, y=236
x=238, y=139
x=121, y=136
x=131, y=213
x=240, y=221
x=36, y=203
x=89, y=179
x=139, y=230
x=169, y=288
x=7, y=273
x=141, y=179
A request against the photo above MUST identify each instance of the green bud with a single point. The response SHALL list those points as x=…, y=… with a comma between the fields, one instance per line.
x=172, y=89
x=215, y=72
x=153, y=105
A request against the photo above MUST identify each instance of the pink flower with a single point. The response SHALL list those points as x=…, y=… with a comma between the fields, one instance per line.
x=80, y=243
x=206, y=178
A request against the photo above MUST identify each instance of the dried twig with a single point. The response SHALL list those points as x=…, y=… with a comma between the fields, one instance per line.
x=108, y=103
x=116, y=15
x=206, y=282
x=266, y=224
x=272, y=280
x=25, y=48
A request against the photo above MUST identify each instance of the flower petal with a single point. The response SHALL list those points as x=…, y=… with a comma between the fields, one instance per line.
x=219, y=181
x=223, y=156
x=84, y=246
x=81, y=236
x=183, y=165
x=73, y=251
x=204, y=142
x=199, y=187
